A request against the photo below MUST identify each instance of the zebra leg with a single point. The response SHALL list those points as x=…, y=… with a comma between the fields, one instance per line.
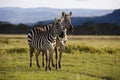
x=43, y=64
x=56, y=55
x=60, y=56
x=45, y=52
x=31, y=54
x=52, y=61
x=50, y=57
x=37, y=54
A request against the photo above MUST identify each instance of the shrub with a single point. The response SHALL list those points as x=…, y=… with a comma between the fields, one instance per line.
x=86, y=49
x=6, y=41
x=17, y=50
x=111, y=50
x=89, y=49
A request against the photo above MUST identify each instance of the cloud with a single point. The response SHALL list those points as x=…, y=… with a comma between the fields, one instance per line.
x=81, y=0
x=92, y=4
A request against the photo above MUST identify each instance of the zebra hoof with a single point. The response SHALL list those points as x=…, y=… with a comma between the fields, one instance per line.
x=59, y=65
x=46, y=69
x=43, y=65
x=53, y=65
x=38, y=66
x=30, y=65
x=49, y=68
x=56, y=67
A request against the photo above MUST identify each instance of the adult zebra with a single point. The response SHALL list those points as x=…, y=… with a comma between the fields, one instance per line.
x=61, y=42
x=44, y=41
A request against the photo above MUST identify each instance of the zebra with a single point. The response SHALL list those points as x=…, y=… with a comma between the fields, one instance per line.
x=60, y=42
x=45, y=41
x=68, y=24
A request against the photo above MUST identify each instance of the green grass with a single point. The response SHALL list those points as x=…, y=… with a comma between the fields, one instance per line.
x=90, y=49
x=85, y=58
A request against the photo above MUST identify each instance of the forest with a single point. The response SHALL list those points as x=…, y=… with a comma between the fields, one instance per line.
x=88, y=28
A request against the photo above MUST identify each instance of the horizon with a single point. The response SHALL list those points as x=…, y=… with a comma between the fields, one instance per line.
x=58, y=8
x=71, y=4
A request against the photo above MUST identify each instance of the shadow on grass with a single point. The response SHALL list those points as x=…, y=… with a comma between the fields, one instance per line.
x=102, y=77
x=14, y=50
x=90, y=75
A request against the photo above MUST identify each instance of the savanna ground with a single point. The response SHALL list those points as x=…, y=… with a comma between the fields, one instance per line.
x=85, y=58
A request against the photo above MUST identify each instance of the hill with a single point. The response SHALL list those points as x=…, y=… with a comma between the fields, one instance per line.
x=32, y=15
x=113, y=17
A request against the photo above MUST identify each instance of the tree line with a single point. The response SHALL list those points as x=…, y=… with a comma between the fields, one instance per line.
x=88, y=28
x=91, y=28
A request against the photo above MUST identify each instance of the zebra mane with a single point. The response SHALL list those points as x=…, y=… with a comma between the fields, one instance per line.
x=40, y=29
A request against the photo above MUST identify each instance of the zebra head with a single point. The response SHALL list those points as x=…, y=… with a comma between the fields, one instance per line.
x=66, y=21
x=62, y=38
x=58, y=28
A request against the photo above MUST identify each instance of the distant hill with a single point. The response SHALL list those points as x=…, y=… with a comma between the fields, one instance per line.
x=32, y=15
x=113, y=17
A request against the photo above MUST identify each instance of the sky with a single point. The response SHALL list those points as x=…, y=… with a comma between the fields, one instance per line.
x=87, y=4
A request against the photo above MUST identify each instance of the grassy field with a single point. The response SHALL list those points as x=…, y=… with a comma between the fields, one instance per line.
x=85, y=58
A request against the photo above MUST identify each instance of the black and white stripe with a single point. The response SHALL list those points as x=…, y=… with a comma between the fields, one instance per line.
x=60, y=41
x=44, y=40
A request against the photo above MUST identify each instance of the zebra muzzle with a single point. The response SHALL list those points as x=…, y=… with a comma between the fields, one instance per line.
x=62, y=35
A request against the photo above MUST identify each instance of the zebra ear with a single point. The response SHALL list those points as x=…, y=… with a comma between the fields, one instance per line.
x=63, y=14
x=70, y=13
x=55, y=20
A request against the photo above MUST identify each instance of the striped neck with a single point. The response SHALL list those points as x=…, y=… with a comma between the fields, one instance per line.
x=51, y=38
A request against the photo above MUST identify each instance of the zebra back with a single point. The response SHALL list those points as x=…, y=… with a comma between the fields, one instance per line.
x=33, y=32
x=38, y=35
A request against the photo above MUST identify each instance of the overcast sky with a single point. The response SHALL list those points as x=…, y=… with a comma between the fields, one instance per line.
x=90, y=4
